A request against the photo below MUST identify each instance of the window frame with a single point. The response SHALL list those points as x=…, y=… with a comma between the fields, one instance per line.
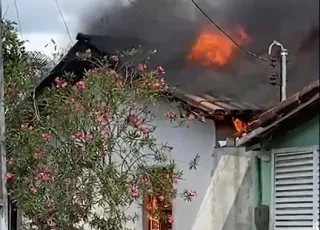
x=314, y=149
x=145, y=219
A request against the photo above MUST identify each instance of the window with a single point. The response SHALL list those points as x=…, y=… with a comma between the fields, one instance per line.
x=158, y=206
x=295, y=189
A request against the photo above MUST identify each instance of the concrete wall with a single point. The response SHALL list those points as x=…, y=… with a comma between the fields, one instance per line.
x=232, y=189
x=197, y=138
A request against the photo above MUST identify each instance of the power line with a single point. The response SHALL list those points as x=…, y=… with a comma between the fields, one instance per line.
x=142, y=11
x=5, y=12
x=18, y=17
x=64, y=21
x=227, y=35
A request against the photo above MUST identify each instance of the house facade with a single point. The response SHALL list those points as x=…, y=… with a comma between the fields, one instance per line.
x=236, y=179
x=284, y=143
x=187, y=141
x=217, y=180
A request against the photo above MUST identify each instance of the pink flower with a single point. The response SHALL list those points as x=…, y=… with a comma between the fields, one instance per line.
x=141, y=67
x=33, y=188
x=119, y=83
x=191, y=117
x=103, y=118
x=10, y=191
x=160, y=70
x=192, y=193
x=24, y=126
x=134, y=120
x=171, y=115
x=170, y=219
x=135, y=193
x=160, y=84
x=88, y=137
x=143, y=180
x=46, y=136
x=45, y=174
x=114, y=58
x=80, y=85
x=134, y=190
x=9, y=176
x=169, y=148
x=156, y=85
x=144, y=131
x=10, y=161
x=80, y=135
x=67, y=180
x=60, y=83
x=37, y=155
x=70, y=100
x=105, y=133
x=78, y=107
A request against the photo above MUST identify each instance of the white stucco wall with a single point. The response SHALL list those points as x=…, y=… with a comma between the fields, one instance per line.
x=232, y=190
x=198, y=138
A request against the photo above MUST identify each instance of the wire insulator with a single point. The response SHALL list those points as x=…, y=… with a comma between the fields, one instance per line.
x=274, y=79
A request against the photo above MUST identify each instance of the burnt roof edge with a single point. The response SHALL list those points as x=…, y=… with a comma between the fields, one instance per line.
x=284, y=110
x=208, y=108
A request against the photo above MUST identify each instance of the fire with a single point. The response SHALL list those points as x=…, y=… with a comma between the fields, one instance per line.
x=214, y=48
x=239, y=125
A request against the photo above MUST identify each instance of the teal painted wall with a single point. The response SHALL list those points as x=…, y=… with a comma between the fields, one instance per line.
x=304, y=135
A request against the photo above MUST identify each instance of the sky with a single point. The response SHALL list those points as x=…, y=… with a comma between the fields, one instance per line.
x=41, y=21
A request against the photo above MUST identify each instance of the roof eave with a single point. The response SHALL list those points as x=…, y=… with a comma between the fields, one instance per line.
x=248, y=139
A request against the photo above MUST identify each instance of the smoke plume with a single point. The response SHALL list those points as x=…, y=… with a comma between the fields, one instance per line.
x=171, y=26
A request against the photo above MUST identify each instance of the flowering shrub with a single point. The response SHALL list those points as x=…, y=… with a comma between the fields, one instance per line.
x=80, y=154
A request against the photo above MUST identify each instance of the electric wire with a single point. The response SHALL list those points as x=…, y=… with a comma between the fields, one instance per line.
x=64, y=21
x=18, y=17
x=5, y=12
x=227, y=35
x=142, y=11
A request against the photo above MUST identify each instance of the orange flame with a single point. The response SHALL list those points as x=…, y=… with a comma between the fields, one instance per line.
x=239, y=125
x=214, y=48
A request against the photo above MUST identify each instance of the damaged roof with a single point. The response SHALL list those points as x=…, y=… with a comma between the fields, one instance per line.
x=209, y=105
x=222, y=95
x=245, y=80
x=288, y=114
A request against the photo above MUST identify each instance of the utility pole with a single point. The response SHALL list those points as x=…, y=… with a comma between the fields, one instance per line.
x=283, y=68
x=3, y=188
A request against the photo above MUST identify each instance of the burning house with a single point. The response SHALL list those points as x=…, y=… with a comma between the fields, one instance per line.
x=215, y=78
x=219, y=118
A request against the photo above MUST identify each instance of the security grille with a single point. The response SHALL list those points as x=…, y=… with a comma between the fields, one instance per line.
x=295, y=192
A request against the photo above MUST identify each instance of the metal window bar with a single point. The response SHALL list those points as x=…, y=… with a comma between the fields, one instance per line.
x=295, y=189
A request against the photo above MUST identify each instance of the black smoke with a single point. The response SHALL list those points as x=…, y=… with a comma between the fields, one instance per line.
x=170, y=26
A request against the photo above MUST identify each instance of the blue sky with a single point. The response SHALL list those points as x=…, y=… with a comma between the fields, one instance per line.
x=41, y=21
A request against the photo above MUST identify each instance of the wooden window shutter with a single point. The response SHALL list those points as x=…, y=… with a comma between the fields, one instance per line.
x=295, y=189
x=154, y=203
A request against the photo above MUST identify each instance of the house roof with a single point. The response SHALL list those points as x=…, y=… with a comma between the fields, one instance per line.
x=245, y=80
x=209, y=105
x=301, y=106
